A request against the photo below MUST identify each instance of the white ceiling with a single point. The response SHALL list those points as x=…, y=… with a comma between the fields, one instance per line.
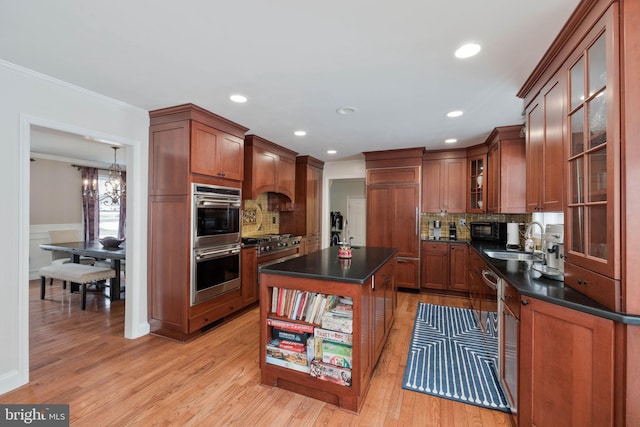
x=298, y=62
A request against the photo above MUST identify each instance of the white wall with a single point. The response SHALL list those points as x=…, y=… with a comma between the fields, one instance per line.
x=29, y=98
x=336, y=170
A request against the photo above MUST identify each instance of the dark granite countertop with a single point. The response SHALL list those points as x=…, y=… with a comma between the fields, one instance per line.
x=326, y=265
x=530, y=283
x=445, y=240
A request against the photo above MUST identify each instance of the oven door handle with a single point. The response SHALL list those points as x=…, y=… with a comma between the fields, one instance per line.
x=216, y=253
x=217, y=202
x=278, y=260
x=486, y=275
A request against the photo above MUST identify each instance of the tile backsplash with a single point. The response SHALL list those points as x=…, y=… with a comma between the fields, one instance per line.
x=463, y=232
x=257, y=220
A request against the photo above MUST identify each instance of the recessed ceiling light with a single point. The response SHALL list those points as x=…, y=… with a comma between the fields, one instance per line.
x=468, y=50
x=450, y=140
x=300, y=133
x=456, y=113
x=346, y=110
x=331, y=151
x=238, y=98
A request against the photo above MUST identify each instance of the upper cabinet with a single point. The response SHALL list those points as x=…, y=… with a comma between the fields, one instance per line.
x=506, y=180
x=189, y=143
x=306, y=218
x=593, y=162
x=545, y=150
x=476, y=185
x=269, y=168
x=444, y=177
x=216, y=153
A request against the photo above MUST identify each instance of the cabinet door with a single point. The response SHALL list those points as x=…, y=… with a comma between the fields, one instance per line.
x=552, y=197
x=458, y=267
x=534, y=143
x=592, y=219
x=314, y=201
x=477, y=188
x=229, y=157
x=435, y=265
x=406, y=220
x=566, y=367
x=264, y=170
x=454, y=189
x=408, y=273
x=249, y=265
x=204, y=143
x=431, y=186
x=168, y=158
x=380, y=215
x=493, y=181
x=509, y=357
x=286, y=177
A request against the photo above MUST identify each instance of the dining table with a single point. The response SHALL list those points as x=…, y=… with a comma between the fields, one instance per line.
x=96, y=250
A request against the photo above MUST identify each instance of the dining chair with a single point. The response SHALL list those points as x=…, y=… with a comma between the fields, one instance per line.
x=57, y=257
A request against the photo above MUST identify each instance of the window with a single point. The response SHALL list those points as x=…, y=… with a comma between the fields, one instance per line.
x=109, y=214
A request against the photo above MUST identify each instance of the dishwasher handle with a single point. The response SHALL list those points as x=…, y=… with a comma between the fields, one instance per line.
x=490, y=278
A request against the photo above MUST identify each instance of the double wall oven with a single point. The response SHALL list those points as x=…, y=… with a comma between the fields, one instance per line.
x=215, y=241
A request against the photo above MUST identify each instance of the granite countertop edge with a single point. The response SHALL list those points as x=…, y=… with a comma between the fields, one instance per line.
x=325, y=265
x=528, y=283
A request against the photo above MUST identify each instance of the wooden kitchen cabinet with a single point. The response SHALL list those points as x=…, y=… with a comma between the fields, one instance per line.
x=215, y=153
x=435, y=265
x=444, y=266
x=306, y=218
x=393, y=208
x=249, y=285
x=444, y=177
x=476, y=180
x=269, y=168
x=187, y=145
x=545, y=149
x=506, y=174
x=566, y=367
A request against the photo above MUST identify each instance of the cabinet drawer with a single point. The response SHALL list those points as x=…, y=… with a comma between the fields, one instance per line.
x=435, y=247
x=393, y=175
x=216, y=313
x=603, y=289
x=511, y=298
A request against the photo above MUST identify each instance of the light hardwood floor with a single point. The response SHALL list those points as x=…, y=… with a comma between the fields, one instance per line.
x=81, y=358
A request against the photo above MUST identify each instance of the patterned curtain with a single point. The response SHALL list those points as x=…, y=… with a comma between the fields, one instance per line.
x=90, y=208
x=122, y=221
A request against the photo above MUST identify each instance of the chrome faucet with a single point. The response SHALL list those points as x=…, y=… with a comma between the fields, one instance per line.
x=527, y=233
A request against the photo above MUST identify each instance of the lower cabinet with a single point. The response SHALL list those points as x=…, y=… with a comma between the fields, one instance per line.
x=566, y=367
x=444, y=266
x=249, y=267
x=408, y=273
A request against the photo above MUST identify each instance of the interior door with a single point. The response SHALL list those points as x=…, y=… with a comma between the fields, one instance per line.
x=356, y=220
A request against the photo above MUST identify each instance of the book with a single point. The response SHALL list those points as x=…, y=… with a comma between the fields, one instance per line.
x=337, y=322
x=290, y=326
x=274, y=350
x=294, y=366
x=326, y=372
x=334, y=336
x=300, y=337
x=337, y=354
x=274, y=300
x=298, y=347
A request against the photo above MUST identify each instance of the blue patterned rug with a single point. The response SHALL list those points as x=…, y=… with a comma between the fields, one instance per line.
x=451, y=357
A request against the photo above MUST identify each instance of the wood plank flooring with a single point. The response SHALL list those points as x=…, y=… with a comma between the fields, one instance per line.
x=81, y=358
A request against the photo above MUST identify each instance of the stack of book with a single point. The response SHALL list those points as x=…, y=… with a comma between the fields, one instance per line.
x=321, y=347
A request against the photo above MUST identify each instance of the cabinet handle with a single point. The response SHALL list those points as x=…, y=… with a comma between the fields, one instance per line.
x=582, y=282
x=525, y=302
x=417, y=222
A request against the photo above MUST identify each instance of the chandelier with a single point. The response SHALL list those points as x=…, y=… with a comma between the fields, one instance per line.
x=115, y=185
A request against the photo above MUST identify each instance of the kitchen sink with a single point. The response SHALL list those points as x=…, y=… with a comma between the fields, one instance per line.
x=510, y=255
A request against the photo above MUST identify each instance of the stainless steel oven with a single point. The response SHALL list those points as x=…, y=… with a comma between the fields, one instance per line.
x=214, y=271
x=216, y=215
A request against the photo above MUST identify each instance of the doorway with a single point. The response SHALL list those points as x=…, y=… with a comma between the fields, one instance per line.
x=348, y=197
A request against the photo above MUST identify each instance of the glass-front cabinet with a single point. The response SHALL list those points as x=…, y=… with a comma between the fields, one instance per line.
x=477, y=184
x=593, y=154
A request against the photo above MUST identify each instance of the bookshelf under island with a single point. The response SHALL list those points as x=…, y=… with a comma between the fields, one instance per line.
x=324, y=321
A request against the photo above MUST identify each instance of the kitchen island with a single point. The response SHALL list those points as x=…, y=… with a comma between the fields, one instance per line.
x=365, y=284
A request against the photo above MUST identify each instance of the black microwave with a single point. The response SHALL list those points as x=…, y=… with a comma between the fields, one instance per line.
x=489, y=231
